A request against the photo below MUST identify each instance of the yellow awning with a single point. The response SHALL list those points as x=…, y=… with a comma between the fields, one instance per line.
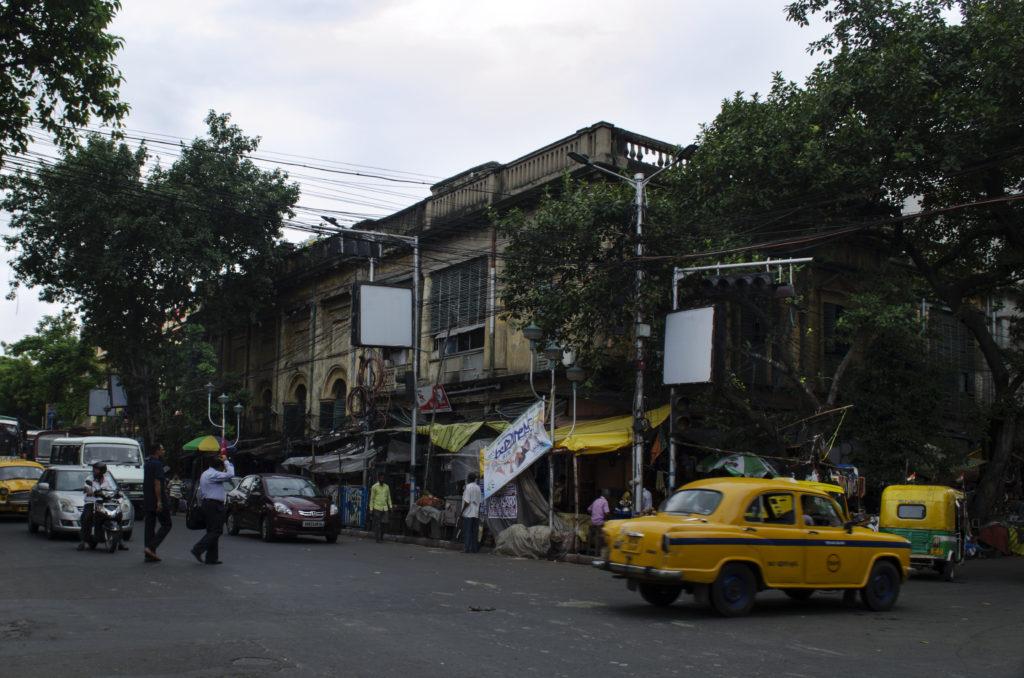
x=451, y=437
x=598, y=436
x=605, y=435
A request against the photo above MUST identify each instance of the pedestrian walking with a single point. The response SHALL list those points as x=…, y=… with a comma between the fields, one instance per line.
x=599, y=510
x=155, y=503
x=471, y=498
x=176, y=489
x=211, y=493
x=380, y=506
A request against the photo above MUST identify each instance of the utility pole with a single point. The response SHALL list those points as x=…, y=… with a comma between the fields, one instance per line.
x=638, y=324
x=641, y=329
x=414, y=242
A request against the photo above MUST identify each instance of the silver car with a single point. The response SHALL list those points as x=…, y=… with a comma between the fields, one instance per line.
x=56, y=502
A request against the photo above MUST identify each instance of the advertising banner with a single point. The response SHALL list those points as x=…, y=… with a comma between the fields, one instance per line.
x=515, y=449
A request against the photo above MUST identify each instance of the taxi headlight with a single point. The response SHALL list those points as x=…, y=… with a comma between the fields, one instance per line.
x=282, y=508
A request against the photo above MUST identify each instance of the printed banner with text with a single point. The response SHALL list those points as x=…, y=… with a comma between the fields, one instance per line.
x=515, y=449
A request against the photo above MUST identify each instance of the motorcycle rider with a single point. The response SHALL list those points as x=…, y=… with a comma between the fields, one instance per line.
x=99, y=482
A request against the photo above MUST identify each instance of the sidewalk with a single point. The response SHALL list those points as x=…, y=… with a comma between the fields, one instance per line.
x=577, y=558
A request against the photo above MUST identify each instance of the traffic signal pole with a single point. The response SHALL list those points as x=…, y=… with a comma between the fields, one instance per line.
x=677, y=275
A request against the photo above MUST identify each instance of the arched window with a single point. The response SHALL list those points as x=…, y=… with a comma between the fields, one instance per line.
x=332, y=408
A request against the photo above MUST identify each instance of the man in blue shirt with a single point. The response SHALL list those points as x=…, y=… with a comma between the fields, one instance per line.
x=211, y=492
x=155, y=503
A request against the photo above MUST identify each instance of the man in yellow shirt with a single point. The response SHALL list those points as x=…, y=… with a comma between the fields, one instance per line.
x=380, y=504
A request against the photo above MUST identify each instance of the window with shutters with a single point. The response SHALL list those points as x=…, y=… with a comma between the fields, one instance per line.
x=458, y=296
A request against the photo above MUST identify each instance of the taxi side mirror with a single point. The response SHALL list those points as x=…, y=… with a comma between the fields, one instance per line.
x=43, y=487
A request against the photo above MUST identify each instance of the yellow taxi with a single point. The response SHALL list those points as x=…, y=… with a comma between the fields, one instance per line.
x=17, y=478
x=725, y=539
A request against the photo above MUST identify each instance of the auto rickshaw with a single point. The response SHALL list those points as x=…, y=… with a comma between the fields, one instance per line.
x=933, y=518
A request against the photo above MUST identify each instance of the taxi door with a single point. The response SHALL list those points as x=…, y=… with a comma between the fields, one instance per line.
x=831, y=555
x=770, y=524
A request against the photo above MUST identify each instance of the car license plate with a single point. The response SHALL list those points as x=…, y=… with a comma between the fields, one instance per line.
x=631, y=545
x=22, y=509
x=312, y=523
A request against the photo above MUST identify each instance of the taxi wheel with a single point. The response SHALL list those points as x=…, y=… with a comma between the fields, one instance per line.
x=883, y=587
x=32, y=527
x=331, y=537
x=660, y=595
x=732, y=594
x=799, y=594
x=233, y=528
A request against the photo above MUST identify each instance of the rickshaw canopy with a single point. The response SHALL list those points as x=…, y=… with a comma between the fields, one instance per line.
x=921, y=507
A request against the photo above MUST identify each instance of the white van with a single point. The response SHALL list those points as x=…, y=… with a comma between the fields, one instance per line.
x=123, y=457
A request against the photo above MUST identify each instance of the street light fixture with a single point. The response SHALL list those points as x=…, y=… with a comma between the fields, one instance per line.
x=223, y=399
x=639, y=183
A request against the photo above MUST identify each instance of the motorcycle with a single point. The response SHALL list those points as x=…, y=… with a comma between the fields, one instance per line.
x=106, y=521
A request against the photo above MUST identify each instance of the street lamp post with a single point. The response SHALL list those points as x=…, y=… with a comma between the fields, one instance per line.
x=575, y=375
x=553, y=352
x=223, y=400
x=641, y=330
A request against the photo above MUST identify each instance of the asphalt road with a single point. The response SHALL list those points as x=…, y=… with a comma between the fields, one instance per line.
x=358, y=608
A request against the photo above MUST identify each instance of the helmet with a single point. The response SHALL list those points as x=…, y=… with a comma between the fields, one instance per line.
x=99, y=466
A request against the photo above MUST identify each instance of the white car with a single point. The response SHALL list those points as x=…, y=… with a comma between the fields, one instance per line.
x=123, y=457
x=55, y=503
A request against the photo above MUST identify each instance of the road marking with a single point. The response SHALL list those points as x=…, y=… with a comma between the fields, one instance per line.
x=819, y=650
x=582, y=604
x=481, y=583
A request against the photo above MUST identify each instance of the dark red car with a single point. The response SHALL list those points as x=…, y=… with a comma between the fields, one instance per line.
x=280, y=505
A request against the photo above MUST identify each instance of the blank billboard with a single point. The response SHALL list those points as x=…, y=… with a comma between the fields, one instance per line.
x=688, y=341
x=381, y=316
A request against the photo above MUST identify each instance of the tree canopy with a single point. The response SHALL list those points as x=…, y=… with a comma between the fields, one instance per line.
x=53, y=366
x=136, y=250
x=56, y=69
x=905, y=142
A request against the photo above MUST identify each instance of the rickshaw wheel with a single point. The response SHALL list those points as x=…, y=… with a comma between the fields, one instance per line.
x=949, y=570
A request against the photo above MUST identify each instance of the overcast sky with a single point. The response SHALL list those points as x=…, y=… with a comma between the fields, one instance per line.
x=436, y=86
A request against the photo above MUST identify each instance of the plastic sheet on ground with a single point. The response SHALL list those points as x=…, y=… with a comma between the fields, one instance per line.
x=424, y=519
x=537, y=542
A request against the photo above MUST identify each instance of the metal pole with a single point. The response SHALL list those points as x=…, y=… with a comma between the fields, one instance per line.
x=551, y=457
x=575, y=482
x=672, y=401
x=638, y=402
x=415, y=363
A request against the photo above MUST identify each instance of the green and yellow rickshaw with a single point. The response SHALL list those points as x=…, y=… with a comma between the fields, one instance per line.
x=933, y=518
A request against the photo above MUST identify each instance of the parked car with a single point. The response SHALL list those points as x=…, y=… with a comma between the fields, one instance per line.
x=17, y=477
x=725, y=539
x=123, y=457
x=56, y=502
x=279, y=505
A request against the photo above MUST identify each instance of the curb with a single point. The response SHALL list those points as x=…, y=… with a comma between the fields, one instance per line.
x=574, y=558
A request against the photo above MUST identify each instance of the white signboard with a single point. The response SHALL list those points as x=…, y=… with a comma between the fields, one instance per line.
x=382, y=316
x=688, y=341
x=515, y=449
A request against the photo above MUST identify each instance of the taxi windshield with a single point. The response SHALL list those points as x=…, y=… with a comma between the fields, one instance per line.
x=702, y=502
x=20, y=472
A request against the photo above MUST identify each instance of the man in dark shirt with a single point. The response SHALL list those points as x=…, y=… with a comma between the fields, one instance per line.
x=155, y=502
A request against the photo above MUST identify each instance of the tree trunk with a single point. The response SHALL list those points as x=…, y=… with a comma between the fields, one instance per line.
x=1003, y=433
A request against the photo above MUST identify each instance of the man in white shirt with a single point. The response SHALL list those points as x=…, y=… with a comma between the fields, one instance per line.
x=99, y=482
x=211, y=489
x=471, y=498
